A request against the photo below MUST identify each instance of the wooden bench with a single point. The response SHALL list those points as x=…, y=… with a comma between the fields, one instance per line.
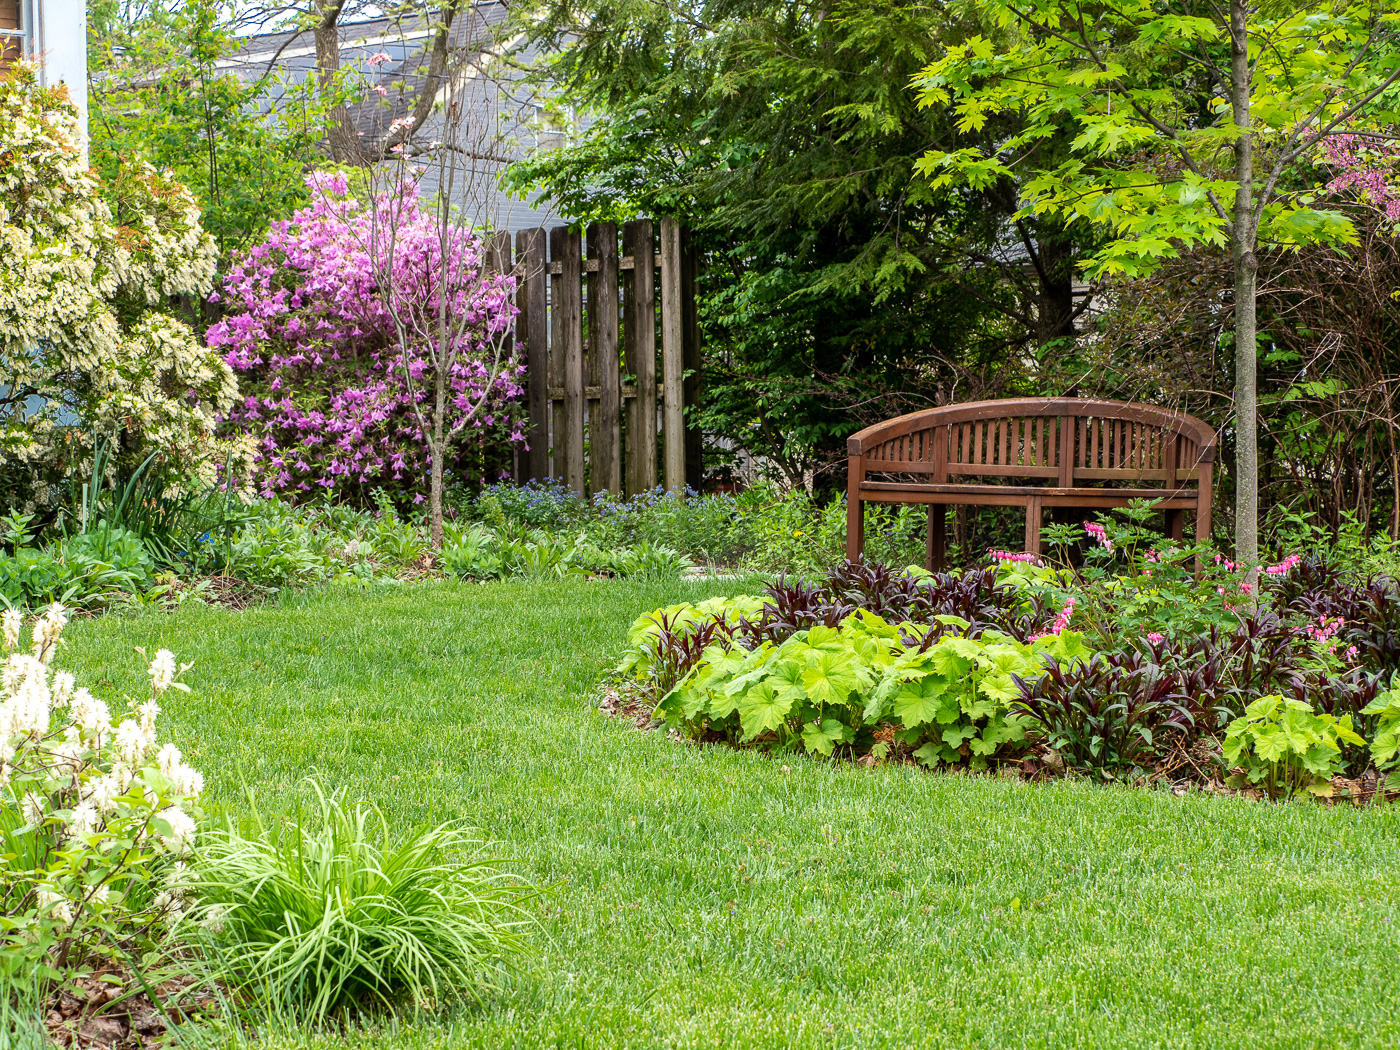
x=1040, y=452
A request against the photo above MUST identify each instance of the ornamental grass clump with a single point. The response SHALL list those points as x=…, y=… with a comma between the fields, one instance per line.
x=325, y=919
x=94, y=817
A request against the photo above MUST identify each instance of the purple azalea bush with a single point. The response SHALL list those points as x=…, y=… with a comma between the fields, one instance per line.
x=329, y=378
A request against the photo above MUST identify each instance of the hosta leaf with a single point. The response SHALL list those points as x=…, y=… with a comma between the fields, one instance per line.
x=761, y=710
x=823, y=739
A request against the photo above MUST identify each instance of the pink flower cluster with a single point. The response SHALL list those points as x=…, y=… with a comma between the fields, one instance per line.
x=1325, y=629
x=997, y=555
x=1155, y=637
x=1282, y=567
x=330, y=391
x=1061, y=621
x=1096, y=530
x=1366, y=169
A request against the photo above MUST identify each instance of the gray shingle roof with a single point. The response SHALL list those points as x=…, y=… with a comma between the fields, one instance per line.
x=501, y=110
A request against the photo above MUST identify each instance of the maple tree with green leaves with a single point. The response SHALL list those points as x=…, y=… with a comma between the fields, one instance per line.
x=1167, y=127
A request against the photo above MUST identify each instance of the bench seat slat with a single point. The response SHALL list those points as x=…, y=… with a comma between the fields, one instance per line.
x=1025, y=490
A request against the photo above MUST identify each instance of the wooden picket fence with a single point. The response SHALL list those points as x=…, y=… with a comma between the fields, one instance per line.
x=599, y=400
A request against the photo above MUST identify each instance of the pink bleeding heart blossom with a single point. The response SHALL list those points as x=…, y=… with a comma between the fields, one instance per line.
x=1095, y=530
x=1024, y=558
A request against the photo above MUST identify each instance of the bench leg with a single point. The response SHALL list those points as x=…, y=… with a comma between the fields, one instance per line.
x=855, y=526
x=1176, y=524
x=937, y=537
x=1033, y=512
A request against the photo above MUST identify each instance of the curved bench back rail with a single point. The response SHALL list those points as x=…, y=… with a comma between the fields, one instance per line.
x=1032, y=452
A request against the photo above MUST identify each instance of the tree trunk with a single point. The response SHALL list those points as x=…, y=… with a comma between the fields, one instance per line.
x=340, y=131
x=1246, y=268
x=1055, y=306
x=438, y=447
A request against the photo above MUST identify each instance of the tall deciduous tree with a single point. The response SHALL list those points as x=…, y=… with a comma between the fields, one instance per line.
x=838, y=288
x=1186, y=119
x=159, y=92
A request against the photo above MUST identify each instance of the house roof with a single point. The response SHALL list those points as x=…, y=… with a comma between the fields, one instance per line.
x=501, y=111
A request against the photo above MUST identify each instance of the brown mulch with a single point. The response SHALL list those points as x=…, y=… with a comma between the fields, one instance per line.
x=232, y=593
x=112, y=1012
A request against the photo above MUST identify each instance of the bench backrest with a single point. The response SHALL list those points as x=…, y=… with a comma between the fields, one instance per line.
x=1060, y=442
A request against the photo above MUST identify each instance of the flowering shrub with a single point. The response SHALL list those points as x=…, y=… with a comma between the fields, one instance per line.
x=85, y=345
x=328, y=391
x=95, y=817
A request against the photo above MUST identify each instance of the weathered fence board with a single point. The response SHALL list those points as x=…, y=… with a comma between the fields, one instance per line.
x=605, y=417
x=587, y=426
x=639, y=347
x=533, y=326
x=672, y=366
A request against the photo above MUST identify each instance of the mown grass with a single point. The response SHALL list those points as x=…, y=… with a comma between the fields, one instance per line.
x=717, y=898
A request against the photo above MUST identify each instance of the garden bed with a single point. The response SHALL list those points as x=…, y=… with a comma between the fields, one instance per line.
x=1122, y=664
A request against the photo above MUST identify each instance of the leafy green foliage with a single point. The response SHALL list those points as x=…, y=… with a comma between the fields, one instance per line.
x=1385, y=745
x=159, y=91
x=318, y=918
x=1106, y=715
x=838, y=288
x=1120, y=91
x=1285, y=747
x=826, y=687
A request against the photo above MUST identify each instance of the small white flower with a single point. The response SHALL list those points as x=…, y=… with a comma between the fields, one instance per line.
x=85, y=818
x=47, y=630
x=148, y=713
x=12, y=621
x=187, y=780
x=168, y=760
x=57, y=905
x=216, y=919
x=182, y=829
x=91, y=714
x=63, y=684
x=162, y=670
x=28, y=708
x=131, y=742
x=32, y=808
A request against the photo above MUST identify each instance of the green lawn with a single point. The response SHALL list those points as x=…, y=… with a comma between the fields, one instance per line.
x=710, y=898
